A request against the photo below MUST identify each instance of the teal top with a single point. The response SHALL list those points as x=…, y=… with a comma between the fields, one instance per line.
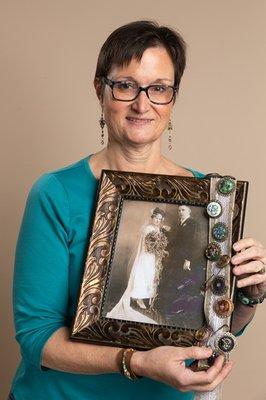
x=50, y=256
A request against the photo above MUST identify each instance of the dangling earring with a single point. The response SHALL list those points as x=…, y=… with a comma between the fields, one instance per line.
x=102, y=125
x=170, y=132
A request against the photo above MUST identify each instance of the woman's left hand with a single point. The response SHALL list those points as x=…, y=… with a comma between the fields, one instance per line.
x=249, y=269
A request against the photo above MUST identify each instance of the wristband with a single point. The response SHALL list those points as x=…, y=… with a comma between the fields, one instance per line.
x=247, y=301
x=125, y=368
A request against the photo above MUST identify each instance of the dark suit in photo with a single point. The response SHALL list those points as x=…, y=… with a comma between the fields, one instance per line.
x=183, y=274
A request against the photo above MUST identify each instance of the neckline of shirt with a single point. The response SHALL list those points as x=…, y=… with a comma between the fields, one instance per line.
x=89, y=171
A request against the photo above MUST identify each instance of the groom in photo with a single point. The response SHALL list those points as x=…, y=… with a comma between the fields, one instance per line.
x=186, y=232
x=183, y=268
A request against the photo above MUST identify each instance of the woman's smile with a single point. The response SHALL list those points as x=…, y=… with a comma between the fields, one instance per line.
x=139, y=121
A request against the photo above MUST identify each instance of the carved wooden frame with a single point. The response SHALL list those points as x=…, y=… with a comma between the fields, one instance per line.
x=88, y=325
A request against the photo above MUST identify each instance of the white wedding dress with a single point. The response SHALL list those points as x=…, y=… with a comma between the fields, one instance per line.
x=141, y=283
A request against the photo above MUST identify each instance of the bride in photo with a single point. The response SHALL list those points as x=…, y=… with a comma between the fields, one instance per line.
x=145, y=273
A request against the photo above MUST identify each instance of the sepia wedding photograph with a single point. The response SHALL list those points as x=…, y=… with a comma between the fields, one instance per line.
x=158, y=267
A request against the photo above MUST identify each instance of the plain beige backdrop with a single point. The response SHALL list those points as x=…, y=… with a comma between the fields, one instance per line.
x=49, y=118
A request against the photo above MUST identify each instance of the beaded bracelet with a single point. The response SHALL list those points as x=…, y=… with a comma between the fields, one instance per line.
x=248, y=301
x=125, y=368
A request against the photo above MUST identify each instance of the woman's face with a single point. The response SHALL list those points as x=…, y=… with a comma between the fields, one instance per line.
x=157, y=219
x=139, y=121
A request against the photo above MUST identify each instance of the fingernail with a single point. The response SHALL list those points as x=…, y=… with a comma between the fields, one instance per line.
x=236, y=246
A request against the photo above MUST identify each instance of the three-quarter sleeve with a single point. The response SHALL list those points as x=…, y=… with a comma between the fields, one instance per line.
x=40, y=290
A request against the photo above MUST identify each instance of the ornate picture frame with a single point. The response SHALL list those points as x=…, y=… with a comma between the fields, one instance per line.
x=157, y=270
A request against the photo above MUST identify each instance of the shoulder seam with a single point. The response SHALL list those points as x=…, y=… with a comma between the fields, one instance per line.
x=51, y=174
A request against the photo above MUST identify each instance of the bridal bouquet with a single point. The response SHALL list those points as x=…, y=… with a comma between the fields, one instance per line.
x=156, y=242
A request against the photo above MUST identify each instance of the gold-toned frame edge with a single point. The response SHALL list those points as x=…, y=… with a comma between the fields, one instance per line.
x=114, y=184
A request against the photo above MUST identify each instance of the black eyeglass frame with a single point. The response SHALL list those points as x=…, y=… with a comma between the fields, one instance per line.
x=111, y=83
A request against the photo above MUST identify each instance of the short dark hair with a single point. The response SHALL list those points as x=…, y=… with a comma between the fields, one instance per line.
x=131, y=40
x=157, y=211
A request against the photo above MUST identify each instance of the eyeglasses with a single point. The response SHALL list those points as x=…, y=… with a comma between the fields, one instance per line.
x=129, y=91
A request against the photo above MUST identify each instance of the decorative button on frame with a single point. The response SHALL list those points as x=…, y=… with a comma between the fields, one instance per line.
x=220, y=231
x=225, y=343
x=223, y=261
x=213, y=251
x=214, y=209
x=219, y=286
x=224, y=308
x=202, y=334
x=226, y=185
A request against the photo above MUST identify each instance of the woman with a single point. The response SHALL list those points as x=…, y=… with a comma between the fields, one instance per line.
x=137, y=79
x=143, y=279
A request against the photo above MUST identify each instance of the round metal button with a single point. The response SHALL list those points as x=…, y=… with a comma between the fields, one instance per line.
x=223, y=261
x=226, y=343
x=202, y=365
x=220, y=231
x=219, y=286
x=214, y=209
x=213, y=251
x=223, y=308
x=226, y=185
x=202, y=334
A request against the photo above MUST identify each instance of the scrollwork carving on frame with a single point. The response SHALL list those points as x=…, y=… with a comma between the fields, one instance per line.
x=89, y=324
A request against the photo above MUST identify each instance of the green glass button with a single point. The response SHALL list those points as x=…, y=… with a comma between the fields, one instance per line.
x=226, y=185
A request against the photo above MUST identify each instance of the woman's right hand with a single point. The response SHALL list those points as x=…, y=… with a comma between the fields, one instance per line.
x=167, y=364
